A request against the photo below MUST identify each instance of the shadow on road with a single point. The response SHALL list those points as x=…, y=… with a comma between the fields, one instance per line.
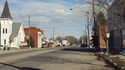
x=79, y=49
x=27, y=68
x=24, y=68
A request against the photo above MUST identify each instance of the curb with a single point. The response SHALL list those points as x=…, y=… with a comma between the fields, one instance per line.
x=110, y=61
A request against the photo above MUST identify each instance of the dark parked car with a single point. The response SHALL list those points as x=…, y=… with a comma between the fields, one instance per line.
x=63, y=44
x=83, y=45
x=70, y=44
x=44, y=45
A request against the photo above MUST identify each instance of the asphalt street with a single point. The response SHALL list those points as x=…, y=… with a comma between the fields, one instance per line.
x=58, y=58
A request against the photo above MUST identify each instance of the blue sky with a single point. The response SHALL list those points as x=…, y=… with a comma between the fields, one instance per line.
x=49, y=14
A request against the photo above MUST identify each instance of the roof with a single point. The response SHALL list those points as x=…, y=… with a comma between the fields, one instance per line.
x=6, y=11
x=15, y=30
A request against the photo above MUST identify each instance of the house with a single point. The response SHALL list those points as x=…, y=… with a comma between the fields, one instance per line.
x=64, y=42
x=11, y=34
x=17, y=35
x=116, y=26
x=37, y=34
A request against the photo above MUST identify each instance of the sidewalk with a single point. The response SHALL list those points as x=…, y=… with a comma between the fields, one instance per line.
x=18, y=50
x=122, y=56
x=14, y=50
x=114, y=58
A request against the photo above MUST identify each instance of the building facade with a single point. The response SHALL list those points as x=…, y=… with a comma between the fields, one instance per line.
x=37, y=34
x=17, y=35
x=116, y=25
x=101, y=36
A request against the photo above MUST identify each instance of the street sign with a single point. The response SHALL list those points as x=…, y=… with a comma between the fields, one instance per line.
x=107, y=35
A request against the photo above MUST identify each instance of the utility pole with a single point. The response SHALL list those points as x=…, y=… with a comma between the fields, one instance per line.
x=88, y=28
x=95, y=44
x=62, y=35
x=82, y=37
x=86, y=34
x=96, y=37
x=29, y=31
x=53, y=33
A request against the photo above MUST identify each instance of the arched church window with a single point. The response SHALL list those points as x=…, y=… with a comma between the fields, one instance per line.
x=3, y=30
x=6, y=30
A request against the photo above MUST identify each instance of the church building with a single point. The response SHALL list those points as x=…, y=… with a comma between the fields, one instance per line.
x=11, y=34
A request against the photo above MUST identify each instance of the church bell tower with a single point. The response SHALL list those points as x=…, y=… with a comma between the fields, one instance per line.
x=5, y=25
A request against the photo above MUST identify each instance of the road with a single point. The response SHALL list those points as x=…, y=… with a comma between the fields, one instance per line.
x=58, y=58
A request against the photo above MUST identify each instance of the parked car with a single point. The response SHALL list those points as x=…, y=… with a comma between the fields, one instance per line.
x=2, y=47
x=70, y=44
x=50, y=44
x=63, y=44
x=59, y=44
x=44, y=45
x=83, y=45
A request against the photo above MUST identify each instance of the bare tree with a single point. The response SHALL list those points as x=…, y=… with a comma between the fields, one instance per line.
x=71, y=39
x=58, y=38
x=114, y=7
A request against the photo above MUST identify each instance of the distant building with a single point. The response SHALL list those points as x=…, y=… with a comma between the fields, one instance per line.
x=37, y=34
x=64, y=42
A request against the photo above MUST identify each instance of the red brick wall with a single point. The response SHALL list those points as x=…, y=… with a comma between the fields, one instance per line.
x=33, y=33
x=102, y=42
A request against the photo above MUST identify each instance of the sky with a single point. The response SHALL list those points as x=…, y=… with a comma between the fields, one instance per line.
x=48, y=15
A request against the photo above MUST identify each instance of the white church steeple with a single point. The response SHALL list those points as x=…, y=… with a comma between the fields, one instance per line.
x=5, y=25
x=6, y=11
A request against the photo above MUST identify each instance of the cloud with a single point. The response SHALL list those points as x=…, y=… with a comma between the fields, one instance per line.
x=51, y=14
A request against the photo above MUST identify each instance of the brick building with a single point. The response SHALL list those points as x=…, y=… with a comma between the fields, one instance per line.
x=37, y=34
x=101, y=40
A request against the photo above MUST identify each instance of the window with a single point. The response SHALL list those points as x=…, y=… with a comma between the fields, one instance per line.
x=4, y=41
x=3, y=30
x=6, y=30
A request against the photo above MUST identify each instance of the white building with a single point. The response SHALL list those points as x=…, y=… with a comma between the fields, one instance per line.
x=17, y=35
x=11, y=33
